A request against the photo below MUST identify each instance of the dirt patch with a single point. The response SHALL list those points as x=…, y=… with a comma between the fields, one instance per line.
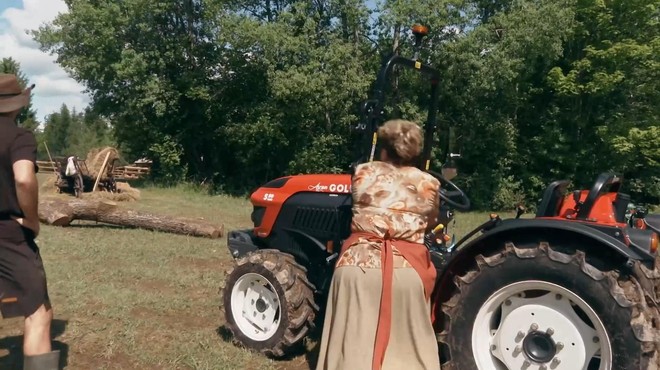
x=214, y=264
x=95, y=306
x=91, y=359
x=153, y=285
x=203, y=295
x=176, y=320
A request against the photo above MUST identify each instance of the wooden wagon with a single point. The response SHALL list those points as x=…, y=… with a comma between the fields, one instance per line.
x=82, y=181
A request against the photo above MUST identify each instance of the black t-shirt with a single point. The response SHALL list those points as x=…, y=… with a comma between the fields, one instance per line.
x=16, y=143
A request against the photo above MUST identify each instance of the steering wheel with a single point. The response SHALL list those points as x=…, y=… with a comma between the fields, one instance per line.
x=450, y=193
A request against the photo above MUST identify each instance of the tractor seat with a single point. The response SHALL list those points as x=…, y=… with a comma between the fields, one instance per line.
x=553, y=197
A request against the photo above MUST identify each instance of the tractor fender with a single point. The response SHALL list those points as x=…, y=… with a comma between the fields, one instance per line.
x=303, y=246
x=528, y=231
x=306, y=237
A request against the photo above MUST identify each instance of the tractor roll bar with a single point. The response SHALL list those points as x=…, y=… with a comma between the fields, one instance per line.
x=372, y=108
x=606, y=182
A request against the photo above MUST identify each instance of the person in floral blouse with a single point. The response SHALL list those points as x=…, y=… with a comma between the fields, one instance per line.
x=378, y=313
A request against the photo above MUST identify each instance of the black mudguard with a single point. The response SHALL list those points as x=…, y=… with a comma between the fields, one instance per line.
x=241, y=242
x=534, y=231
x=653, y=222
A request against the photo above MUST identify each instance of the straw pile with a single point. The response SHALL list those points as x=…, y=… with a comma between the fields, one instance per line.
x=47, y=186
x=125, y=193
x=95, y=159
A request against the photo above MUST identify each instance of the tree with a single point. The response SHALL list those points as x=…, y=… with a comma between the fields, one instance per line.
x=179, y=90
x=56, y=131
x=150, y=67
x=238, y=92
x=495, y=59
x=27, y=117
x=75, y=133
x=310, y=74
x=608, y=89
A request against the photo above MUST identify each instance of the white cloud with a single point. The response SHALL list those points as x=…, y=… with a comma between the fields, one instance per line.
x=54, y=86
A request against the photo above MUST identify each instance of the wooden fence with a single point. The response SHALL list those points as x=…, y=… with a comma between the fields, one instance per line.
x=124, y=173
x=46, y=166
x=130, y=172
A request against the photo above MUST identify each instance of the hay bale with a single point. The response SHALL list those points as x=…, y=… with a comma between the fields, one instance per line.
x=128, y=190
x=47, y=186
x=95, y=159
x=116, y=197
x=125, y=193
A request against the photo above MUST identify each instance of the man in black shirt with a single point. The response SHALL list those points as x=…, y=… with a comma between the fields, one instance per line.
x=23, y=288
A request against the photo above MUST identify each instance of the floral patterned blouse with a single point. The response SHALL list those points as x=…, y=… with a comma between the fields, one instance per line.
x=401, y=201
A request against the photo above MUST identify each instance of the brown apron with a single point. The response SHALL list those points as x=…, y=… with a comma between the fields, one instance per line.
x=419, y=258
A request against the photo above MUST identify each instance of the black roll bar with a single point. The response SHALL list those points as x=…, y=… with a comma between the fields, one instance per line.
x=372, y=109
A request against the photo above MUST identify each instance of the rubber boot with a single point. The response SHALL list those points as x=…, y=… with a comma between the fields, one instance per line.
x=46, y=361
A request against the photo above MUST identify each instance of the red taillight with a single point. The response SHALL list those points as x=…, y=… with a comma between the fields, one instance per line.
x=639, y=224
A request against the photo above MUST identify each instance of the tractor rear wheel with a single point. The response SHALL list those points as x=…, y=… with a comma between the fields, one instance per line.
x=537, y=308
x=268, y=302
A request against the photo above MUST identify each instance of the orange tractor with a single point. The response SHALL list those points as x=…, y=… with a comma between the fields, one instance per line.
x=576, y=287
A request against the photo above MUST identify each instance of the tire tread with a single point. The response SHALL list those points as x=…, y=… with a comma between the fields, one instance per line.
x=625, y=290
x=300, y=308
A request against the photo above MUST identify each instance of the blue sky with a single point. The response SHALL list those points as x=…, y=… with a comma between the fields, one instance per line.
x=11, y=4
x=4, y=4
x=54, y=86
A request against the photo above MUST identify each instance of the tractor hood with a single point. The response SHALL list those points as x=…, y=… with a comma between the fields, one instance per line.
x=323, y=183
x=268, y=199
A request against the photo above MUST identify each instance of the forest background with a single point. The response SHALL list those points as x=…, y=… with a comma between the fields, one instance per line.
x=232, y=93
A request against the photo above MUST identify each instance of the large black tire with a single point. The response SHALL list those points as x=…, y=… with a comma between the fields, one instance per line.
x=296, y=311
x=616, y=299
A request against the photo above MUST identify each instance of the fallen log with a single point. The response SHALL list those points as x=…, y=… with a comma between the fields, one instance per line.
x=60, y=212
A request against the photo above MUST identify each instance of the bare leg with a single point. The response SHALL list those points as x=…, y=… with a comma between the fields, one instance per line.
x=36, y=339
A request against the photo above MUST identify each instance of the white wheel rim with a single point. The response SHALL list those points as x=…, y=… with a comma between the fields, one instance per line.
x=255, y=307
x=517, y=327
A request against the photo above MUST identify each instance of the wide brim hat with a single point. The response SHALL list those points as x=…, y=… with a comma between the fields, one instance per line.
x=12, y=96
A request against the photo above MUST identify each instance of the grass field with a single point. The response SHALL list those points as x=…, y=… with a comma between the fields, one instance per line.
x=135, y=299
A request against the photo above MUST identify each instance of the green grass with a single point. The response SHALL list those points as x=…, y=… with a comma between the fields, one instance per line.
x=135, y=299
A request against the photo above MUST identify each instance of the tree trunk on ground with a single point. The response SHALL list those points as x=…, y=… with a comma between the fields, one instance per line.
x=59, y=212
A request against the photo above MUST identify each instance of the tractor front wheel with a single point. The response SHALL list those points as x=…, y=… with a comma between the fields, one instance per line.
x=268, y=302
x=536, y=308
